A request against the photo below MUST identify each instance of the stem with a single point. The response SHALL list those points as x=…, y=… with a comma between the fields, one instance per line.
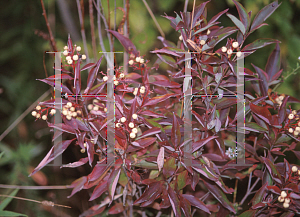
x=235, y=190
x=292, y=73
x=82, y=31
x=35, y=187
x=99, y=28
x=185, y=6
x=154, y=19
x=92, y=29
x=249, y=192
x=52, y=41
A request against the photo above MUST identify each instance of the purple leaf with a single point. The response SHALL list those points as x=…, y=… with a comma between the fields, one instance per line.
x=259, y=43
x=197, y=145
x=60, y=76
x=238, y=23
x=92, y=75
x=112, y=183
x=77, y=185
x=264, y=79
x=273, y=64
x=175, y=203
x=77, y=163
x=56, y=150
x=127, y=44
x=87, y=66
x=194, y=201
x=175, y=135
x=64, y=89
x=99, y=190
x=245, y=19
x=158, y=99
x=263, y=14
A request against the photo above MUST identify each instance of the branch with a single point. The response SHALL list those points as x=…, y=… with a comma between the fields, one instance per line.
x=92, y=29
x=52, y=41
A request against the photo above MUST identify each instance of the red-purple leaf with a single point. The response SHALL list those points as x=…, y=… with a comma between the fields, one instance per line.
x=166, y=50
x=263, y=14
x=97, y=172
x=170, y=84
x=182, y=179
x=158, y=99
x=202, y=142
x=93, y=75
x=127, y=44
x=169, y=167
x=77, y=163
x=175, y=135
x=245, y=19
x=152, y=114
x=59, y=76
x=99, y=190
x=149, y=192
x=64, y=89
x=220, y=196
x=273, y=64
x=175, y=203
x=90, y=151
x=194, y=201
x=185, y=206
x=56, y=150
x=116, y=209
x=259, y=195
x=238, y=23
x=77, y=78
x=261, y=112
x=87, y=66
x=273, y=170
x=264, y=79
x=259, y=43
x=77, y=185
x=150, y=132
x=198, y=12
x=62, y=127
x=112, y=182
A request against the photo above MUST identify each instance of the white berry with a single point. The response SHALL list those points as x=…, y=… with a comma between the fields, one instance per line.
x=287, y=200
x=78, y=48
x=65, y=53
x=116, y=82
x=134, y=130
x=96, y=108
x=291, y=116
x=202, y=42
x=296, y=133
x=229, y=51
x=239, y=54
x=70, y=62
x=123, y=119
x=283, y=194
x=65, y=112
x=68, y=58
x=291, y=130
x=235, y=44
x=118, y=125
x=65, y=47
x=224, y=49
x=90, y=107
x=208, y=32
x=134, y=116
x=38, y=115
x=138, y=59
x=105, y=78
x=53, y=111
x=83, y=56
x=142, y=61
x=74, y=114
x=44, y=117
x=132, y=135
x=75, y=57
x=33, y=113
x=131, y=125
x=142, y=91
x=280, y=199
x=286, y=205
x=180, y=38
x=38, y=108
x=122, y=75
x=294, y=169
x=130, y=62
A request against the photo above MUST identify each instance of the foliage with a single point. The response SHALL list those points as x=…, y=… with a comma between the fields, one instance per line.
x=149, y=167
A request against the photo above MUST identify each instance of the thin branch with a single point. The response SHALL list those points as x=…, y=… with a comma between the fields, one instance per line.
x=45, y=202
x=235, y=191
x=185, y=6
x=249, y=192
x=23, y=115
x=192, y=18
x=154, y=19
x=35, y=187
x=92, y=29
x=99, y=28
x=126, y=34
x=52, y=41
x=82, y=30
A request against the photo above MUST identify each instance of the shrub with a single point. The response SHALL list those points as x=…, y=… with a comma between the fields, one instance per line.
x=150, y=161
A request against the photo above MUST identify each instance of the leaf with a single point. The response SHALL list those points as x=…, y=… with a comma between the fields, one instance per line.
x=273, y=170
x=87, y=66
x=220, y=196
x=10, y=213
x=196, y=202
x=174, y=201
x=264, y=79
x=273, y=64
x=248, y=213
x=77, y=185
x=90, y=151
x=59, y=77
x=55, y=151
x=245, y=19
x=251, y=126
x=150, y=132
x=197, y=145
x=259, y=43
x=158, y=99
x=77, y=163
x=169, y=84
x=116, y=209
x=127, y=44
x=185, y=206
x=198, y=12
x=167, y=59
x=93, y=75
x=166, y=50
x=99, y=190
x=259, y=195
x=182, y=179
x=175, y=135
x=98, y=171
x=63, y=88
x=112, y=182
x=237, y=22
x=161, y=158
x=224, y=102
x=7, y=200
x=149, y=192
x=261, y=112
x=282, y=110
x=62, y=127
x=263, y=14
x=169, y=167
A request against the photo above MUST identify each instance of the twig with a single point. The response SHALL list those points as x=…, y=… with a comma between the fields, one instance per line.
x=35, y=187
x=23, y=115
x=203, y=198
x=99, y=29
x=92, y=29
x=288, y=75
x=52, y=41
x=185, y=6
x=235, y=191
x=192, y=18
x=249, y=182
x=249, y=192
x=82, y=31
x=154, y=19
x=45, y=202
x=126, y=34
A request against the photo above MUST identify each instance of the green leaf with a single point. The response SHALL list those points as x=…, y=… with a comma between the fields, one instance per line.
x=182, y=179
x=10, y=213
x=251, y=126
x=169, y=167
x=259, y=195
x=146, y=165
x=237, y=22
x=248, y=213
x=7, y=200
x=245, y=19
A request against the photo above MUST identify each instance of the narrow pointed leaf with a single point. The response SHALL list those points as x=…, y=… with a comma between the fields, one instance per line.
x=174, y=202
x=161, y=158
x=112, y=182
x=194, y=201
x=273, y=64
x=127, y=44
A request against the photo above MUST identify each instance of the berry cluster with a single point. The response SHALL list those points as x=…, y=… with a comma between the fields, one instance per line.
x=69, y=111
x=38, y=113
x=283, y=198
x=140, y=90
x=96, y=106
x=137, y=60
x=116, y=81
x=294, y=127
x=73, y=56
x=232, y=46
x=131, y=125
x=279, y=99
